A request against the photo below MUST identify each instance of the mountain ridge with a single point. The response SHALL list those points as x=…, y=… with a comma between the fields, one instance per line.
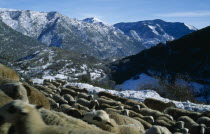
x=54, y=29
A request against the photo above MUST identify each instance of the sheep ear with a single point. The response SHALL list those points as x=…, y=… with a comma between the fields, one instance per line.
x=39, y=106
x=97, y=118
x=110, y=124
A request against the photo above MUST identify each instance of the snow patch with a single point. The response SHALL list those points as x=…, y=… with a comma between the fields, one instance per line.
x=144, y=81
x=190, y=27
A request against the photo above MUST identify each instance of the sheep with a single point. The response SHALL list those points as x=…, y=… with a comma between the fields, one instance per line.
x=27, y=120
x=104, y=106
x=8, y=73
x=124, y=120
x=106, y=98
x=72, y=111
x=158, y=104
x=5, y=81
x=204, y=120
x=59, y=99
x=44, y=89
x=111, y=96
x=176, y=113
x=69, y=98
x=154, y=113
x=178, y=128
x=80, y=107
x=163, y=123
x=36, y=97
x=61, y=81
x=188, y=121
x=15, y=91
x=132, y=103
x=46, y=80
x=167, y=119
x=4, y=100
x=84, y=90
x=101, y=119
x=97, y=117
x=53, y=104
x=146, y=124
x=85, y=96
x=183, y=131
x=56, y=84
x=109, y=102
x=158, y=130
x=197, y=129
x=90, y=104
x=68, y=91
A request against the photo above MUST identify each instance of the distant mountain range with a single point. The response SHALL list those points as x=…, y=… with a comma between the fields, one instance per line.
x=152, y=32
x=53, y=29
x=92, y=36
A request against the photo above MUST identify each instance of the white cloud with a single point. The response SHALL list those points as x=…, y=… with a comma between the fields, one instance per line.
x=185, y=14
x=87, y=15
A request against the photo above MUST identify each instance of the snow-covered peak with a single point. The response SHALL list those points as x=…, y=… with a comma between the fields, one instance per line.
x=94, y=20
x=191, y=27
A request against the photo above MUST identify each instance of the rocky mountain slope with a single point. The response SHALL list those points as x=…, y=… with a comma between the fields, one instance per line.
x=186, y=58
x=14, y=45
x=188, y=54
x=53, y=29
x=152, y=32
x=53, y=62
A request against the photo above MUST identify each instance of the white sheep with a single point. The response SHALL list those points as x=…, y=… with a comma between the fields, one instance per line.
x=158, y=130
x=101, y=119
x=27, y=120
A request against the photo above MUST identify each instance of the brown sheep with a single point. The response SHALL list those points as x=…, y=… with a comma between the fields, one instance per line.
x=8, y=73
x=158, y=104
x=36, y=97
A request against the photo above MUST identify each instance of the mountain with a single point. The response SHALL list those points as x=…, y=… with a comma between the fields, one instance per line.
x=187, y=55
x=86, y=37
x=152, y=32
x=14, y=45
x=181, y=68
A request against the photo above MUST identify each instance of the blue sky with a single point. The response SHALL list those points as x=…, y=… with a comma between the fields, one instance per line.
x=193, y=12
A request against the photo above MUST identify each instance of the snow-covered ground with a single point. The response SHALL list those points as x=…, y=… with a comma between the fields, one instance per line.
x=145, y=81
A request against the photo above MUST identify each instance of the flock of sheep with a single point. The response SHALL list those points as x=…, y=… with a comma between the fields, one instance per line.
x=58, y=108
